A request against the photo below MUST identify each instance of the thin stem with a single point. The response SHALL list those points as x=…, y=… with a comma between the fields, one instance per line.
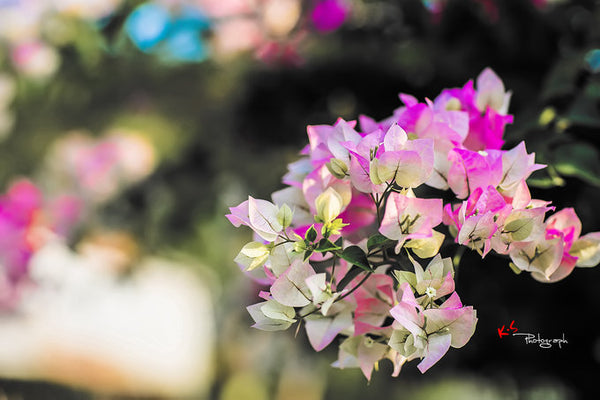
x=381, y=204
x=377, y=202
x=301, y=317
x=363, y=280
x=333, y=269
x=284, y=241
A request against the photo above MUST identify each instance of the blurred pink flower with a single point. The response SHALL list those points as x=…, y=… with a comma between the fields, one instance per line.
x=35, y=59
x=27, y=222
x=329, y=15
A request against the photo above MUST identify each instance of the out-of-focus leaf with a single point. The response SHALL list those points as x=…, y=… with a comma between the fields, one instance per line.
x=580, y=160
x=561, y=79
x=545, y=179
x=584, y=110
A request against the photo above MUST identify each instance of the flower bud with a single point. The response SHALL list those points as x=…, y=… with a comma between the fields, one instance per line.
x=380, y=172
x=284, y=215
x=329, y=205
x=338, y=168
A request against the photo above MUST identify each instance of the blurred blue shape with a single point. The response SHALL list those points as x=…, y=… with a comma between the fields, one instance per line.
x=593, y=60
x=192, y=18
x=184, y=41
x=147, y=25
x=177, y=37
x=184, y=44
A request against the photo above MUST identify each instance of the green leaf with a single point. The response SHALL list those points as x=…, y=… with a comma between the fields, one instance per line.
x=326, y=245
x=356, y=256
x=311, y=234
x=584, y=110
x=307, y=254
x=545, y=179
x=339, y=243
x=376, y=241
x=350, y=275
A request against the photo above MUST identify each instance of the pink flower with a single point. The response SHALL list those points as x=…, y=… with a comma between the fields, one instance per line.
x=321, y=330
x=318, y=181
x=410, y=218
x=379, y=158
x=458, y=99
x=491, y=92
x=427, y=121
x=564, y=223
x=373, y=302
x=485, y=130
x=517, y=165
x=437, y=280
x=259, y=215
x=541, y=257
x=554, y=255
x=360, y=213
x=362, y=352
x=565, y=227
x=451, y=324
x=290, y=288
x=479, y=218
x=470, y=170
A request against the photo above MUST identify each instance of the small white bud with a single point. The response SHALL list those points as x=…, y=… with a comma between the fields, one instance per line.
x=329, y=205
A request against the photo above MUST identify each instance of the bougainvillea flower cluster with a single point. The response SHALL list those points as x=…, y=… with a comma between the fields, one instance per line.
x=350, y=250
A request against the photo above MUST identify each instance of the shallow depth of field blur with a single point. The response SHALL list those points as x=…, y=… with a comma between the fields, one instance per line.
x=128, y=127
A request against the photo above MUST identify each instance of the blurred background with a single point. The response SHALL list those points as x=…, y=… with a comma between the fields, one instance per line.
x=128, y=127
